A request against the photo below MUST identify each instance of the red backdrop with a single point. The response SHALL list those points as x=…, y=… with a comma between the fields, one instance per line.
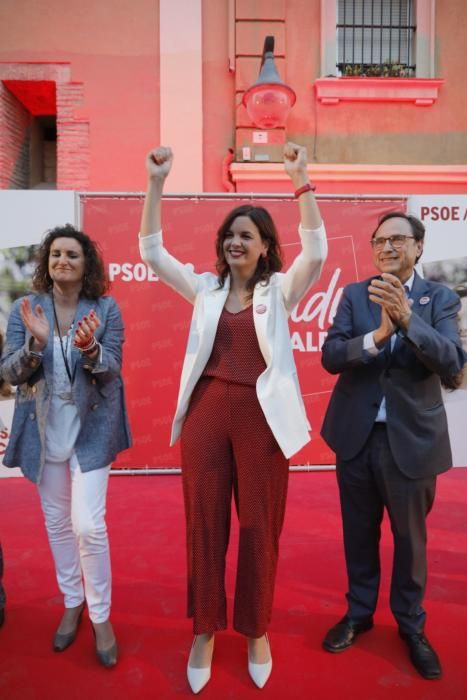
x=157, y=319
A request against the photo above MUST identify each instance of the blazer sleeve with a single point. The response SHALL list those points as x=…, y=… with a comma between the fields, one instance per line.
x=108, y=362
x=307, y=266
x=342, y=349
x=438, y=345
x=18, y=363
x=175, y=274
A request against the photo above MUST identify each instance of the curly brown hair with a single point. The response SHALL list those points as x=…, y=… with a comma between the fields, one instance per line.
x=95, y=281
x=266, y=266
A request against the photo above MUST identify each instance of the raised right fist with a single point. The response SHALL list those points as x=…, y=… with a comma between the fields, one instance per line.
x=159, y=162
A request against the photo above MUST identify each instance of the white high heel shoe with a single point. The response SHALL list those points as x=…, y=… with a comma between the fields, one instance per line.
x=260, y=672
x=198, y=677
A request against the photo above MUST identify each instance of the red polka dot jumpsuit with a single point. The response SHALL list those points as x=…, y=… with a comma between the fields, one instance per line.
x=228, y=447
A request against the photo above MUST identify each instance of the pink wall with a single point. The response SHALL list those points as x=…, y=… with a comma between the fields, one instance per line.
x=218, y=94
x=383, y=132
x=113, y=51
x=391, y=133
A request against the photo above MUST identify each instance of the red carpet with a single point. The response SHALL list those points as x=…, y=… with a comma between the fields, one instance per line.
x=145, y=524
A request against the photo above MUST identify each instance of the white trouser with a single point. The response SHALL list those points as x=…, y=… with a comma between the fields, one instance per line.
x=73, y=503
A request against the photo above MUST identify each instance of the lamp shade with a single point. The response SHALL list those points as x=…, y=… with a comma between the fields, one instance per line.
x=269, y=100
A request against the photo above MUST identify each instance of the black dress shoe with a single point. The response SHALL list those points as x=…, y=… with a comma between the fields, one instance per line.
x=422, y=655
x=343, y=635
x=63, y=641
x=2, y=616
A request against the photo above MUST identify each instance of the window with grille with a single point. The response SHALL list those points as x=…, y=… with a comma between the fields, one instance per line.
x=375, y=37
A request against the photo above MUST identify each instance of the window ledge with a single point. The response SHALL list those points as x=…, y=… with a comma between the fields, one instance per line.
x=421, y=91
x=333, y=178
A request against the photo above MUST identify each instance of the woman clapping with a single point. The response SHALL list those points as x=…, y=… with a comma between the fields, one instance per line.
x=64, y=353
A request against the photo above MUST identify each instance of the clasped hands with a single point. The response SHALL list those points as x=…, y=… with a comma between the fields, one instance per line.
x=389, y=293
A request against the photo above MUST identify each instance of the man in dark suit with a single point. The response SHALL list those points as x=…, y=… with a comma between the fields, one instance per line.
x=394, y=338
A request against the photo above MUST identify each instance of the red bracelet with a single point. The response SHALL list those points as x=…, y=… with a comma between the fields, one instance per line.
x=89, y=347
x=304, y=188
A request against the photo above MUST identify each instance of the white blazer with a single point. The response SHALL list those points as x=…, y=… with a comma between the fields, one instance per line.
x=277, y=387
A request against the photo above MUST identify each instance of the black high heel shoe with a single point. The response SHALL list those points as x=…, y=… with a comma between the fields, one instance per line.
x=62, y=641
x=107, y=657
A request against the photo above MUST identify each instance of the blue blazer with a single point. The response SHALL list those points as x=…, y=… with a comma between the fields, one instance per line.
x=408, y=377
x=97, y=390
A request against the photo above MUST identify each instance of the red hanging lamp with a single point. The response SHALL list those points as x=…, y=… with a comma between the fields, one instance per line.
x=269, y=101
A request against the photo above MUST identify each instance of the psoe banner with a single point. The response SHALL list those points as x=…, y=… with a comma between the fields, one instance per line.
x=444, y=260
x=157, y=319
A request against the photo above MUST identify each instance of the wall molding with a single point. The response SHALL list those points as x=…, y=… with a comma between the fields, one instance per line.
x=423, y=92
x=369, y=178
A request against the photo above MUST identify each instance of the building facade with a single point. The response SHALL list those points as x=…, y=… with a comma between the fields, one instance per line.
x=88, y=87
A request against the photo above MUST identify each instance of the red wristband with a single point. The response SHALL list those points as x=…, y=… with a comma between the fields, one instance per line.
x=88, y=347
x=304, y=188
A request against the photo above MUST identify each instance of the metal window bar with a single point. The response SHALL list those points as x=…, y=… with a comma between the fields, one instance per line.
x=353, y=42
x=400, y=33
x=367, y=30
x=390, y=33
x=409, y=34
x=381, y=33
x=345, y=8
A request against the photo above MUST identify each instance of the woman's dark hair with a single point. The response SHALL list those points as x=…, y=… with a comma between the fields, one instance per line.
x=272, y=262
x=95, y=282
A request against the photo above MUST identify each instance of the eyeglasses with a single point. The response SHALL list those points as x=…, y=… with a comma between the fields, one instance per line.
x=396, y=242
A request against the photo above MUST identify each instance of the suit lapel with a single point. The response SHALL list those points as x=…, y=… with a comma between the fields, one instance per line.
x=46, y=302
x=420, y=292
x=262, y=300
x=214, y=301
x=375, y=309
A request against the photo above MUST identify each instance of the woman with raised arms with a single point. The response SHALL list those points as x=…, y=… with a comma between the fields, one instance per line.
x=240, y=414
